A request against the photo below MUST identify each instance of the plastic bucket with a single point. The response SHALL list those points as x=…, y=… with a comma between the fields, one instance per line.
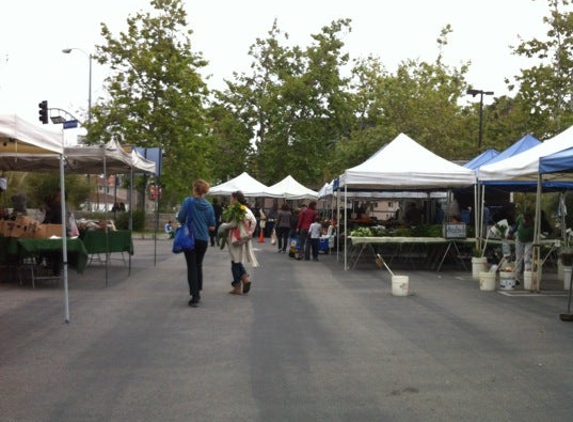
x=487, y=281
x=506, y=280
x=479, y=264
x=528, y=278
x=400, y=285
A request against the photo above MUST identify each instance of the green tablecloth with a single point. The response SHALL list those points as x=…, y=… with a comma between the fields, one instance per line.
x=15, y=249
x=117, y=241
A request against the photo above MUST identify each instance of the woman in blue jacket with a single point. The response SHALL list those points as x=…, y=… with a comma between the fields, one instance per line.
x=200, y=212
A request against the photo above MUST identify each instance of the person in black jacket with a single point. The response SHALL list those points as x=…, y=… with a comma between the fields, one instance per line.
x=218, y=209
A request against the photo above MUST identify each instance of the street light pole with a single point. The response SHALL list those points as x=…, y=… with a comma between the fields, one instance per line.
x=481, y=93
x=90, y=59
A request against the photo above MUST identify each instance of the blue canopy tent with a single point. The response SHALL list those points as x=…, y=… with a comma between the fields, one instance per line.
x=559, y=162
x=481, y=159
x=524, y=168
x=499, y=187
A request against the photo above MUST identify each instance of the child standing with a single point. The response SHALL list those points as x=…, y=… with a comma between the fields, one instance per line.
x=314, y=232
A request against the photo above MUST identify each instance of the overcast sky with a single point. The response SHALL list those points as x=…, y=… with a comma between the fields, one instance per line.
x=33, y=33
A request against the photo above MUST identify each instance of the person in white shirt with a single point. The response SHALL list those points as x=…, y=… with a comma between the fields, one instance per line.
x=169, y=229
x=314, y=232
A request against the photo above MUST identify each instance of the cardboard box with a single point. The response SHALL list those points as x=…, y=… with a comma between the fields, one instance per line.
x=45, y=231
x=25, y=220
x=21, y=226
x=18, y=230
x=31, y=229
x=7, y=226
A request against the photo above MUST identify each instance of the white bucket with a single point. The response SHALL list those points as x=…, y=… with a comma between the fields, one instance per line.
x=566, y=277
x=479, y=264
x=487, y=281
x=528, y=278
x=506, y=280
x=400, y=285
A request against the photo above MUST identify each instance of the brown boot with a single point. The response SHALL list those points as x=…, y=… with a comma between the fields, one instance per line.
x=236, y=290
x=246, y=283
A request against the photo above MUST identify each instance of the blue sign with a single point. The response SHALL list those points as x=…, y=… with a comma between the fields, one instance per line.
x=70, y=124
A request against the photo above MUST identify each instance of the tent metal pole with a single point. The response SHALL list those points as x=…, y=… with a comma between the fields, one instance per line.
x=130, y=223
x=105, y=186
x=337, y=225
x=536, y=248
x=345, y=227
x=64, y=237
x=477, y=218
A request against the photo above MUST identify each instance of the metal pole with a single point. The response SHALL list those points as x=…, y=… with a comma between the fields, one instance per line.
x=90, y=90
x=480, y=121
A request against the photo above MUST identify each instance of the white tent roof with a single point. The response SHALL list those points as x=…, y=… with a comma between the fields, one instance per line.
x=289, y=188
x=243, y=182
x=325, y=190
x=80, y=160
x=525, y=166
x=138, y=162
x=19, y=137
x=403, y=164
x=90, y=159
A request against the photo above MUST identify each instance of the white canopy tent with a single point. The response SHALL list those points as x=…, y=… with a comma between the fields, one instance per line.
x=245, y=183
x=289, y=188
x=525, y=166
x=21, y=140
x=404, y=165
x=25, y=147
x=325, y=190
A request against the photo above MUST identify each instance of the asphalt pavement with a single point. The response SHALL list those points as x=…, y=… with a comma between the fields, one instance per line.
x=310, y=342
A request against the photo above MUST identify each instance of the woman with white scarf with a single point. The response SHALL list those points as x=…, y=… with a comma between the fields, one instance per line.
x=239, y=240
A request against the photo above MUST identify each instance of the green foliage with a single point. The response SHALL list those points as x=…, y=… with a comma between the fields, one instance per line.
x=546, y=89
x=296, y=112
x=122, y=221
x=297, y=100
x=156, y=93
x=37, y=186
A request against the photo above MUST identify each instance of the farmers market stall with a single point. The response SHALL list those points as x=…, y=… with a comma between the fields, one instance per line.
x=425, y=246
x=403, y=165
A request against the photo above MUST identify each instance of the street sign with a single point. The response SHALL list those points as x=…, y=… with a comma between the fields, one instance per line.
x=155, y=192
x=70, y=124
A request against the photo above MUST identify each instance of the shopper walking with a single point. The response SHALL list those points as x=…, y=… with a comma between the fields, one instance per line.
x=282, y=227
x=305, y=219
x=238, y=228
x=200, y=212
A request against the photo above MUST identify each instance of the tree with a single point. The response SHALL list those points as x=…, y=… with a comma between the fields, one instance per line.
x=156, y=94
x=546, y=89
x=295, y=103
x=420, y=99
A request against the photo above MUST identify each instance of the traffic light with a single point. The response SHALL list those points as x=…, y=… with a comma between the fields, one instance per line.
x=43, y=112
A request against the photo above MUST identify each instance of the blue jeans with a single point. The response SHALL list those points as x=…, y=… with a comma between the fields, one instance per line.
x=238, y=270
x=304, y=243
